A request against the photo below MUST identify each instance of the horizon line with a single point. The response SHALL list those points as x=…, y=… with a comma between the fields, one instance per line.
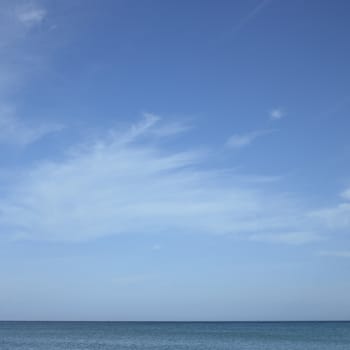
x=169, y=321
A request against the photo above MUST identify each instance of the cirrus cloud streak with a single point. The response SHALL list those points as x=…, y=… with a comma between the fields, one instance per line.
x=126, y=184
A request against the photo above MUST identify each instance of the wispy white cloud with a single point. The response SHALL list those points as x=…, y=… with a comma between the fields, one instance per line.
x=145, y=129
x=30, y=13
x=243, y=140
x=277, y=113
x=21, y=56
x=250, y=16
x=172, y=129
x=333, y=218
x=335, y=253
x=19, y=61
x=17, y=19
x=125, y=184
x=137, y=130
x=346, y=194
x=14, y=131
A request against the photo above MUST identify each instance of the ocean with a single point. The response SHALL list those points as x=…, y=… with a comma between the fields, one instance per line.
x=175, y=335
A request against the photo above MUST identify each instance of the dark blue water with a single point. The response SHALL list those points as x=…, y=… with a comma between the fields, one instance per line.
x=158, y=335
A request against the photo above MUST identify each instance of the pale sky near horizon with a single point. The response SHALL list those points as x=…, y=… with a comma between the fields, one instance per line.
x=174, y=160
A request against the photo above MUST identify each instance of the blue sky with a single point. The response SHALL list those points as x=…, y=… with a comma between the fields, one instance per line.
x=174, y=160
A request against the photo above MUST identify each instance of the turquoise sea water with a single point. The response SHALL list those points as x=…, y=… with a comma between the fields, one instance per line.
x=175, y=335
